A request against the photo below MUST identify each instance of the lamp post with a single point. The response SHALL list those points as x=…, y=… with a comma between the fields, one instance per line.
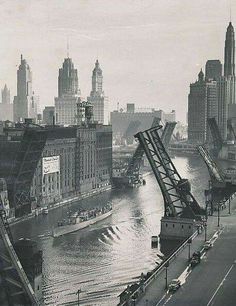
x=78, y=293
x=205, y=223
x=166, y=266
x=189, y=248
x=218, y=217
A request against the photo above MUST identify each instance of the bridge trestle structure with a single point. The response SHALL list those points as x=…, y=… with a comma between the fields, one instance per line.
x=133, y=169
x=18, y=290
x=180, y=205
x=221, y=185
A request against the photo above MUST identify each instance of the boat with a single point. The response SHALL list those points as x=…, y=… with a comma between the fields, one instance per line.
x=80, y=220
x=45, y=211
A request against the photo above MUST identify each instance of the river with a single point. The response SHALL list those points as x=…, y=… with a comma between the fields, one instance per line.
x=103, y=259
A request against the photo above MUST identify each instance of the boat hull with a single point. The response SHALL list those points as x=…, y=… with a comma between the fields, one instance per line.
x=63, y=230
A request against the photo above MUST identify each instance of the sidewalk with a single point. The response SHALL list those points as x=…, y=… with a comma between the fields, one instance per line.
x=156, y=290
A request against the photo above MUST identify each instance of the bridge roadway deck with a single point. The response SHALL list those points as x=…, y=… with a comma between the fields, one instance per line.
x=201, y=284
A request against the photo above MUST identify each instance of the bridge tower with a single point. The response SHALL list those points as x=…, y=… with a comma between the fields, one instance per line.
x=182, y=211
x=133, y=169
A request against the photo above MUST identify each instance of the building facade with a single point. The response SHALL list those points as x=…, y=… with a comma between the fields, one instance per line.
x=97, y=97
x=6, y=107
x=68, y=94
x=71, y=161
x=213, y=70
x=49, y=115
x=25, y=102
x=202, y=104
x=6, y=97
x=127, y=123
x=227, y=83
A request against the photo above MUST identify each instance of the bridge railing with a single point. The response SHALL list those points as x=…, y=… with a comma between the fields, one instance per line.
x=138, y=293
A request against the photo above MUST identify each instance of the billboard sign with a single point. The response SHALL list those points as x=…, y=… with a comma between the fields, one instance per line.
x=51, y=164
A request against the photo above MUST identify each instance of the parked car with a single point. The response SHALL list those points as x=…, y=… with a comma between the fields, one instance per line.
x=174, y=285
x=196, y=259
x=207, y=245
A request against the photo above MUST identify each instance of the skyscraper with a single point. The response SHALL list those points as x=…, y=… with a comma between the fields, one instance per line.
x=226, y=84
x=6, y=95
x=6, y=107
x=213, y=70
x=229, y=64
x=202, y=104
x=68, y=94
x=97, y=97
x=25, y=102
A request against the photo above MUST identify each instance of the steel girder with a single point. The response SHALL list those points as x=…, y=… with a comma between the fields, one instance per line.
x=178, y=200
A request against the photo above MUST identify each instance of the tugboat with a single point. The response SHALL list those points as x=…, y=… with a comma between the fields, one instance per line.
x=81, y=219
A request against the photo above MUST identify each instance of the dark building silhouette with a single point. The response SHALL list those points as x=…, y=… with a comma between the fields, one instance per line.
x=6, y=107
x=202, y=104
x=213, y=70
x=229, y=64
x=49, y=115
x=226, y=84
x=68, y=79
x=68, y=94
x=6, y=95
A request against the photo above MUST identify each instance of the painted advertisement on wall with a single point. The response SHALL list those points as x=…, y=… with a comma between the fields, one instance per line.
x=51, y=164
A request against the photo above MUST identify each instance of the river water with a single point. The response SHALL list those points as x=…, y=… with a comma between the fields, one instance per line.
x=103, y=259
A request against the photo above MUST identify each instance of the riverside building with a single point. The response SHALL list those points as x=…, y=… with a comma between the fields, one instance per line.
x=64, y=162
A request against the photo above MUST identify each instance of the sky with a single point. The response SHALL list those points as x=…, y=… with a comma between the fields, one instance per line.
x=149, y=50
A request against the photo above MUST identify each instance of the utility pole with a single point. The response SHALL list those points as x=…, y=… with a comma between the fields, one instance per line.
x=229, y=205
x=189, y=248
x=78, y=293
x=166, y=266
x=205, y=223
x=218, y=214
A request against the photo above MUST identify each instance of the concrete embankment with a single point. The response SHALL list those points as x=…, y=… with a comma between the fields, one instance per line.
x=153, y=289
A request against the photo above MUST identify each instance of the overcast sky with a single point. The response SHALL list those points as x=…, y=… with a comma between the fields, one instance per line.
x=149, y=50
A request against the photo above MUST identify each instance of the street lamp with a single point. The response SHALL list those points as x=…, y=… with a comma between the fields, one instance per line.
x=189, y=248
x=205, y=227
x=78, y=293
x=219, y=204
x=166, y=266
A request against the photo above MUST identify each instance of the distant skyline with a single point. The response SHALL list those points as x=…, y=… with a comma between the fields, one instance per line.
x=149, y=50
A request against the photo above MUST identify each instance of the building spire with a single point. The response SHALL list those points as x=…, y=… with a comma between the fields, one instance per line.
x=229, y=64
x=67, y=47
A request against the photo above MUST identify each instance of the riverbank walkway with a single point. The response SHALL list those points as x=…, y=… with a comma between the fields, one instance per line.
x=155, y=292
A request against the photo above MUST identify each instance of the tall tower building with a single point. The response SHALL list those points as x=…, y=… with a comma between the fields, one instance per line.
x=6, y=107
x=6, y=95
x=213, y=70
x=202, y=104
x=97, y=97
x=229, y=65
x=25, y=102
x=68, y=79
x=227, y=84
x=68, y=94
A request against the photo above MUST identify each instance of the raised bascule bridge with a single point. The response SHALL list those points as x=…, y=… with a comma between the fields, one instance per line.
x=221, y=163
x=132, y=176
x=16, y=287
x=182, y=213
